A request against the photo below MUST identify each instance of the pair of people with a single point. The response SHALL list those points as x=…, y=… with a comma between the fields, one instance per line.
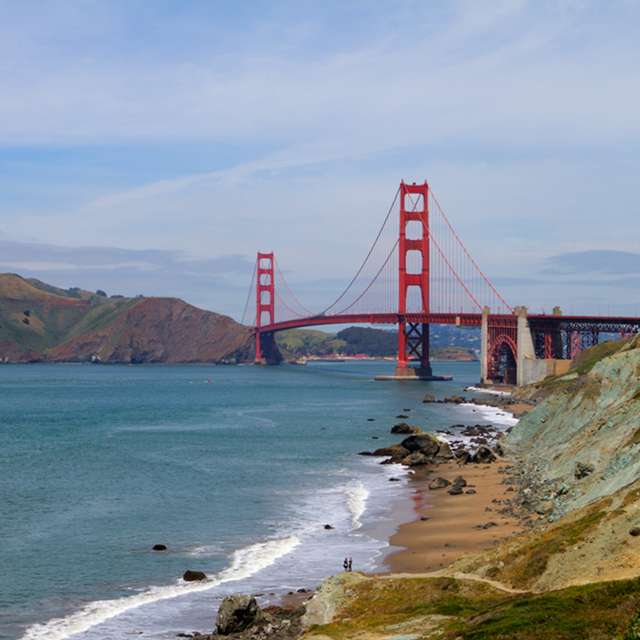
x=347, y=564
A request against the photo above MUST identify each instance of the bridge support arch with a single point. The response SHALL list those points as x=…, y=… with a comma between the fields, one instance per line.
x=506, y=345
x=519, y=350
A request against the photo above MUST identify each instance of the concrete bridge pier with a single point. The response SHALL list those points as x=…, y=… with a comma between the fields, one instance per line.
x=508, y=354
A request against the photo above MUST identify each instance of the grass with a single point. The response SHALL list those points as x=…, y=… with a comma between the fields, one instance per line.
x=477, y=611
x=598, y=611
x=51, y=325
x=527, y=564
x=587, y=359
x=631, y=497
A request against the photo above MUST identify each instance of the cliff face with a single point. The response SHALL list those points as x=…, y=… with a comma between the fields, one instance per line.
x=586, y=436
x=162, y=330
x=40, y=323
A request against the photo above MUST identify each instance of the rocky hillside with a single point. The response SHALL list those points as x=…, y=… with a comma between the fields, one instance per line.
x=41, y=323
x=577, y=478
x=585, y=430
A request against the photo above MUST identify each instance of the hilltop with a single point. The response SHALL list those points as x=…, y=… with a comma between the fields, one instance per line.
x=42, y=323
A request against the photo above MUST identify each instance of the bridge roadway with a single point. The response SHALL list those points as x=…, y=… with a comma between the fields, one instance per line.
x=608, y=324
x=465, y=319
x=516, y=348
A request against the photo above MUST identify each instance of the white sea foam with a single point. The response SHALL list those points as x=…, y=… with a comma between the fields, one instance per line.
x=498, y=417
x=245, y=562
x=493, y=392
x=357, y=503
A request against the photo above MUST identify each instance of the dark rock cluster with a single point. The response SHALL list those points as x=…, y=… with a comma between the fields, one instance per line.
x=418, y=449
x=241, y=618
x=424, y=448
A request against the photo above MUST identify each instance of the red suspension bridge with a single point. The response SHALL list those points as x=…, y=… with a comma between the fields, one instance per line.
x=419, y=273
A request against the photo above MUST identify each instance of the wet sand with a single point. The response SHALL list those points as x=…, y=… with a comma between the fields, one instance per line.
x=455, y=523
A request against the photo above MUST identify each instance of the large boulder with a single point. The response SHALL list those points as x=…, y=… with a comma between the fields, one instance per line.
x=429, y=398
x=425, y=443
x=404, y=428
x=445, y=451
x=238, y=613
x=193, y=576
x=483, y=455
x=439, y=483
x=390, y=451
x=415, y=459
x=399, y=454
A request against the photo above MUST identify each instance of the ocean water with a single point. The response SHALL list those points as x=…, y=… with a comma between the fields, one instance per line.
x=235, y=469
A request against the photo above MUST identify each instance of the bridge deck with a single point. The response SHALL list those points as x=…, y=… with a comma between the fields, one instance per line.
x=613, y=324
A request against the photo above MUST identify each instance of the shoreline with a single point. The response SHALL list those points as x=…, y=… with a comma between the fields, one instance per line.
x=454, y=524
x=440, y=528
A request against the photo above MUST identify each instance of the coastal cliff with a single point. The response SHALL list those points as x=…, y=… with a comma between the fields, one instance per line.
x=162, y=330
x=41, y=323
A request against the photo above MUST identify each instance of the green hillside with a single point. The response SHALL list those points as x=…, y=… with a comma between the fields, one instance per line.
x=37, y=317
x=377, y=343
x=39, y=322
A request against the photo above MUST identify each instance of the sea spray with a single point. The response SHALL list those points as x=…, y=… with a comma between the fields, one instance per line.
x=245, y=562
x=357, y=503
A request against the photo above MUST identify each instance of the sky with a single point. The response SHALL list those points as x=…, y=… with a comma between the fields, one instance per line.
x=154, y=147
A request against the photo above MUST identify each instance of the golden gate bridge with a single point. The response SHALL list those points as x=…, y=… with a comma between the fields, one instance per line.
x=418, y=273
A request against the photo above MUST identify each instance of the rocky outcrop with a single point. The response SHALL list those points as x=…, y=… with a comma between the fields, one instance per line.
x=403, y=428
x=330, y=597
x=238, y=613
x=425, y=443
x=575, y=483
x=240, y=618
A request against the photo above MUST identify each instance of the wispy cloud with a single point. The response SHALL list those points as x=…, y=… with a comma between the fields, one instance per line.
x=200, y=130
x=219, y=284
x=601, y=262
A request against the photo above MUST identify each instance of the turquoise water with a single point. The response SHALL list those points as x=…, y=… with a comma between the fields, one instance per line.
x=235, y=469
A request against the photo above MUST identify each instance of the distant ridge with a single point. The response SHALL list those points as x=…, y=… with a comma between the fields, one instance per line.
x=42, y=323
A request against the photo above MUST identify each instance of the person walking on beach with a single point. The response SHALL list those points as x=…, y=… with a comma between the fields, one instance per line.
x=345, y=564
x=350, y=563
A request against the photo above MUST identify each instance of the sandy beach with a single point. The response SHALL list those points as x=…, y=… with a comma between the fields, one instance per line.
x=455, y=524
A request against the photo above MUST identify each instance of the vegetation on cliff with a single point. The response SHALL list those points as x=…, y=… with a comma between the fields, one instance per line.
x=464, y=609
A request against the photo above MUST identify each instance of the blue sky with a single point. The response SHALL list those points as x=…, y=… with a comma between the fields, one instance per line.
x=155, y=146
